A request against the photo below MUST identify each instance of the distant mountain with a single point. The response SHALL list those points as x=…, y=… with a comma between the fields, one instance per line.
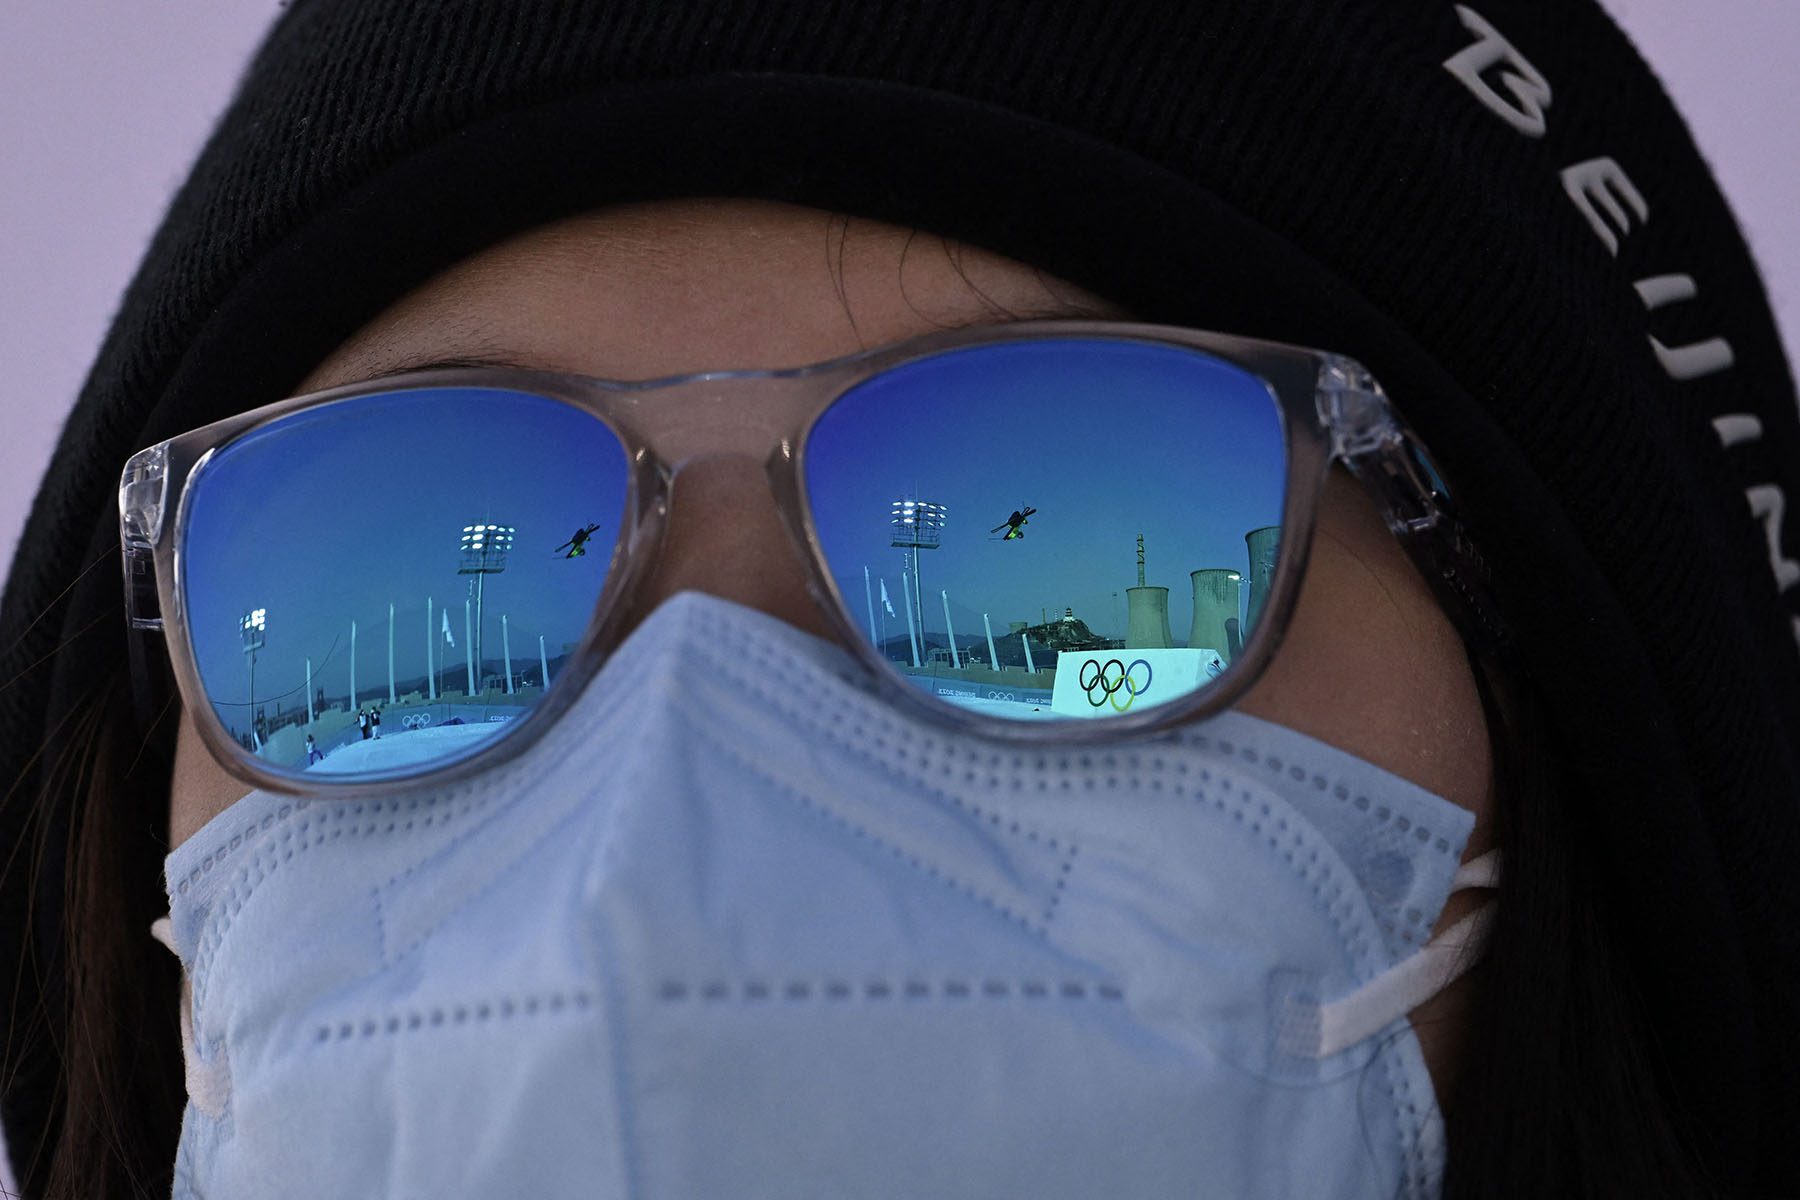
x=1046, y=641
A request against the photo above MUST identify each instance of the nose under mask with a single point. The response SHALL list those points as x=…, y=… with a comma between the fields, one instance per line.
x=736, y=927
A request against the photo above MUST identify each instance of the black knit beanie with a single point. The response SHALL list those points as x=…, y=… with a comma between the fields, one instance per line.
x=1497, y=210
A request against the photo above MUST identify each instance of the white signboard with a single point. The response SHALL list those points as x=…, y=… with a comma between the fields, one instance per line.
x=1106, y=683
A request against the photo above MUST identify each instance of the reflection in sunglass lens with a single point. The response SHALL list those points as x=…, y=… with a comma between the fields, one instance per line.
x=1063, y=528
x=384, y=583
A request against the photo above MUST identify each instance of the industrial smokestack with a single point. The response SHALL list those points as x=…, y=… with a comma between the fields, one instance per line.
x=1147, y=618
x=1265, y=546
x=1216, y=592
x=1146, y=612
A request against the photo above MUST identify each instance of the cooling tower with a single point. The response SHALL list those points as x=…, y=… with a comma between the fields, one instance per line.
x=1215, y=602
x=1264, y=544
x=1147, y=618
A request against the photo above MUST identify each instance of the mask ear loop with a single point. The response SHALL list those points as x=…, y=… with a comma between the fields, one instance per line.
x=1349, y=1019
x=208, y=1083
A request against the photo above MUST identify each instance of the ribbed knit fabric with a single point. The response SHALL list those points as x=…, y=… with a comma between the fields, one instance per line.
x=1307, y=170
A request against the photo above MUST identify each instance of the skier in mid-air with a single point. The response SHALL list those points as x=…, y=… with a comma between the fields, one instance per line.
x=1015, y=524
x=577, y=545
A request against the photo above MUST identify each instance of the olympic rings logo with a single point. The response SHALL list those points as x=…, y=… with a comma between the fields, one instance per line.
x=1103, y=687
x=415, y=721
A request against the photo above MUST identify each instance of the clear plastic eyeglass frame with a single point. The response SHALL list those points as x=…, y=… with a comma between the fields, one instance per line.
x=1330, y=407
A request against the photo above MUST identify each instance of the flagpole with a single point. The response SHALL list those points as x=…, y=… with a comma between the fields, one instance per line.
x=869, y=601
x=506, y=649
x=950, y=629
x=430, y=646
x=391, y=652
x=887, y=610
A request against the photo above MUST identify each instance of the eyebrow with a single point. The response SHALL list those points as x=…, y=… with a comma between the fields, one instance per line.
x=496, y=358
x=407, y=366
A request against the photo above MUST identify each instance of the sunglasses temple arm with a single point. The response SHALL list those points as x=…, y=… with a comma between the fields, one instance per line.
x=143, y=505
x=151, y=682
x=1420, y=514
x=1388, y=459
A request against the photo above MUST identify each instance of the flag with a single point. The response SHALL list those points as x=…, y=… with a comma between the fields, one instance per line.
x=447, y=635
x=885, y=602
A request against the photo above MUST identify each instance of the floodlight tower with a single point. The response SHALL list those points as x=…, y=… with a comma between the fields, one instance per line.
x=484, y=550
x=917, y=525
x=254, y=626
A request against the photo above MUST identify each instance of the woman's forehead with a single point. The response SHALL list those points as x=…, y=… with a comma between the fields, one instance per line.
x=671, y=287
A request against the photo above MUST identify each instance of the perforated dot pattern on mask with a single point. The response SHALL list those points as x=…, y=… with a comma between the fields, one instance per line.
x=868, y=728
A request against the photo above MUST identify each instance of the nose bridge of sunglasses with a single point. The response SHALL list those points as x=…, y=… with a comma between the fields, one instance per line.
x=713, y=417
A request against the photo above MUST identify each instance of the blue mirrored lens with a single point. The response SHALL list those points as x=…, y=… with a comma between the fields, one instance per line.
x=1053, y=529
x=386, y=582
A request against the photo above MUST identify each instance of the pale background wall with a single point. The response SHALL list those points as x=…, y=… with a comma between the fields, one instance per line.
x=103, y=103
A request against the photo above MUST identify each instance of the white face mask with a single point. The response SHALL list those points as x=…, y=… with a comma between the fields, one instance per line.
x=737, y=928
